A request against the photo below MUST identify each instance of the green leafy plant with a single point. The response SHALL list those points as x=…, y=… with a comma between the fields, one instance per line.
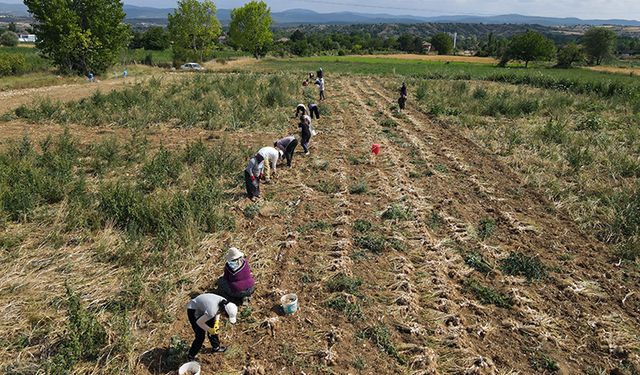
x=486, y=228
x=519, y=264
x=487, y=295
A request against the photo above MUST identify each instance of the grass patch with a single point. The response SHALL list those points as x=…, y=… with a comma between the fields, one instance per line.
x=476, y=261
x=380, y=336
x=519, y=264
x=362, y=226
x=486, y=227
x=375, y=244
x=328, y=186
x=351, y=310
x=359, y=188
x=396, y=212
x=487, y=295
x=313, y=226
x=343, y=283
x=251, y=211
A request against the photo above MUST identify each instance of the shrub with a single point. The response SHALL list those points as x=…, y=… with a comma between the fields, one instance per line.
x=163, y=169
x=343, y=283
x=316, y=225
x=251, y=211
x=591, y=123
x=486, y=228
x=9, y=39
x=351, y=310
x=83, y=339
x=435, y=220
x=396, y=212
x=362, y=226
x=328, y=186
x=388, y=123
x=374, y=244
x=578, y=156
x=487, y=295
x=12, y=64
x=422, y=91
x=476, y=261
x=381, y=337
x=359, y=188
x=480, y=93
x=554, y=131
x=519, y=264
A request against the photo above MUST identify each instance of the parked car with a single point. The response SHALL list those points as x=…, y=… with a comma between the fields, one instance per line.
x=191, y=66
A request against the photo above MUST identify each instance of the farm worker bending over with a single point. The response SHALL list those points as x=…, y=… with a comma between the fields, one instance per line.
x=314, y=111
x=301, y=110
x=252, y=175
x=237, y=281
x=270, y=156
x=204, y=315
x=288, y=146
x=320, y=83
x=305, y=133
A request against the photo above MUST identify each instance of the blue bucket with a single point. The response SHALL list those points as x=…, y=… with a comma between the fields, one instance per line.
x=289, y=303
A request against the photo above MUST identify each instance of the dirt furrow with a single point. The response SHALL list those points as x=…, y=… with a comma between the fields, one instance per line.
x=547, y=315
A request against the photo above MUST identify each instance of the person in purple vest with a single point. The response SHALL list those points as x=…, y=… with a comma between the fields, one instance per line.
x=237, y=281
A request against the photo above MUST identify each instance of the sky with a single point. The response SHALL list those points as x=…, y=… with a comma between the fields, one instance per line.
x=593, y=9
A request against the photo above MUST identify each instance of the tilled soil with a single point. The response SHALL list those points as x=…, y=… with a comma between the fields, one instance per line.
x=584, y=315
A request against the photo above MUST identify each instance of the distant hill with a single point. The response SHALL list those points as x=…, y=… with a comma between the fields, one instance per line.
x=303, y=16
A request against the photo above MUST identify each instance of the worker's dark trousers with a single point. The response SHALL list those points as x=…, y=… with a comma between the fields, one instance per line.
x=196, y=345
x=253, y=186
x=322, y=95
x=401, y=102
x=305, y=142
x=288, y=153
x=315, y=112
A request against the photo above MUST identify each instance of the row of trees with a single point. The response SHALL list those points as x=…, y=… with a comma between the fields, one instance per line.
x=596, y=45
x=88, y=36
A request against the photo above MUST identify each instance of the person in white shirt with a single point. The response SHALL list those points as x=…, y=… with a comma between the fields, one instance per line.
x=320, y=83
x=271, y=156
x=204, y=315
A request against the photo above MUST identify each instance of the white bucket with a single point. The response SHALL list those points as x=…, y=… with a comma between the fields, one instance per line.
x=289, y=303
x=189, y=367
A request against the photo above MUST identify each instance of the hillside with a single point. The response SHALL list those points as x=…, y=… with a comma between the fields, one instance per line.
x=303, y=16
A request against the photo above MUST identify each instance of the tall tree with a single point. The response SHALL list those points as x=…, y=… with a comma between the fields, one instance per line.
x=250, y=28
x=598, y=44
x=529, y=46
x=194, y=30
x=80, y=35
x=156, y=38
x=570, y=54
x=443, y=43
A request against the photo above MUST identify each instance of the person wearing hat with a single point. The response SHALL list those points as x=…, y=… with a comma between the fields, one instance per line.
x=204, y=315
x=237, y=281
x=288, y=146
x=270, y=156
x=301, y=109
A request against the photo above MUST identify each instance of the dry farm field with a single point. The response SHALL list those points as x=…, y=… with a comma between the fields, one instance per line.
x=496, y=233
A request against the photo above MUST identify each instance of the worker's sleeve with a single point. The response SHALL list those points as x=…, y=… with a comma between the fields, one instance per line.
x=202, y=322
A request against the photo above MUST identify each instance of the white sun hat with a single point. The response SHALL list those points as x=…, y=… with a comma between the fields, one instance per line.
x=233, y=254
x=232, y=311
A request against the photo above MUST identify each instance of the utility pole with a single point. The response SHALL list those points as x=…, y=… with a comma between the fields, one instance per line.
x=455, y=40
